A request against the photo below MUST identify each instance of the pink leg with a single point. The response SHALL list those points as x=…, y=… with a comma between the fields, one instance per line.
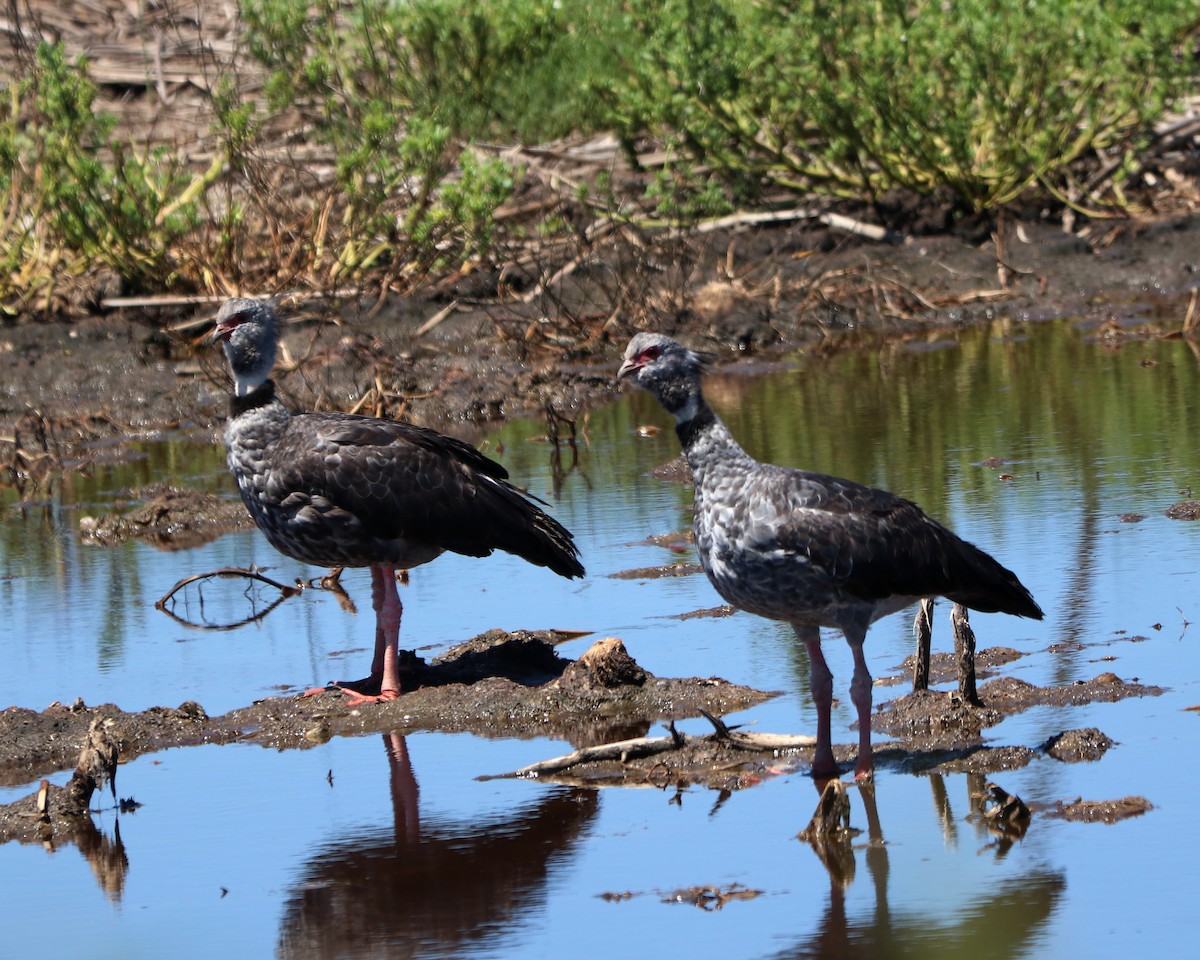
x=405, y=793
x=860, y=696
x=385, y=664
x=820, y=683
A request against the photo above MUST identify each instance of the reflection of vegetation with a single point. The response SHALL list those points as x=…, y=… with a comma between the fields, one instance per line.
x=908, y=420
x=42, y=553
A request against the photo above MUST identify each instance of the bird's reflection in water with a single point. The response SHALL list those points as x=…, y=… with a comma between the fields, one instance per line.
x=1002, y=920
x=433, y=887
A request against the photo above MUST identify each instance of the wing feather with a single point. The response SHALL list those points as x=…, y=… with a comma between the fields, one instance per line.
x=402, y=481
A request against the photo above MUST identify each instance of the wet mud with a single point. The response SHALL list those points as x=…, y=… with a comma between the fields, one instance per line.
x=503, y=684
x=167, y=517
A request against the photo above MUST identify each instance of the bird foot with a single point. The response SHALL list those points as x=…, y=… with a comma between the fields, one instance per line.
x=822, y=772
x=358, y=699
x=358, y=691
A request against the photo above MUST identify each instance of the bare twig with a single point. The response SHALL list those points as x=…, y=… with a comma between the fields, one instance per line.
x=622, y=751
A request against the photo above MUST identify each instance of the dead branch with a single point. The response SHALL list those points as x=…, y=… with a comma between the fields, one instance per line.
x=228, y=573
x=623, y=751
x=167, y=602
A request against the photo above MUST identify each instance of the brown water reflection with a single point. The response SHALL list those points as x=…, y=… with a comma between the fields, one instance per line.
x=1003, y=922
x=428, y=889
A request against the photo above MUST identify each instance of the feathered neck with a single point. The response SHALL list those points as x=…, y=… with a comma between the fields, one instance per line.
x=689, y=430
x=259, y=397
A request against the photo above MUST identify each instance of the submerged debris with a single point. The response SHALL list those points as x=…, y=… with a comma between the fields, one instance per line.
x=170, y=518
x=1101, y=811
x=1075, y=746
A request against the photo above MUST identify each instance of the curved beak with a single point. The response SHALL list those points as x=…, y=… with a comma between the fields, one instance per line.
x=628, y=366
x=225, y=326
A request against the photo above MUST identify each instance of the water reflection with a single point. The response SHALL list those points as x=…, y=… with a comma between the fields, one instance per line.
x=1000, y=922
x=429, y=889
x=1087, y=436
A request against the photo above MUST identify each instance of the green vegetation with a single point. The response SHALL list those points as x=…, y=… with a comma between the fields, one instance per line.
x=982, y=99
x=360, y=141
x=77, y=195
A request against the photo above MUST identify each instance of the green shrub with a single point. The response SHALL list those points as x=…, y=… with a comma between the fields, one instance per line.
x=78, y=194
x=399, y=89
x=983, y=98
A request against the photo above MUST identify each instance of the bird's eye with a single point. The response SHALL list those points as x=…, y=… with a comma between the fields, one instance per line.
x=651, y=353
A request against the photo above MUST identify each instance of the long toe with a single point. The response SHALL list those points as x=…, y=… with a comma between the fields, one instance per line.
x=358, y=699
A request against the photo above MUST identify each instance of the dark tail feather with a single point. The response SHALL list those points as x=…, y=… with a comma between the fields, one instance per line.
x=519, y=526
x=555, y=547
x=988, y=587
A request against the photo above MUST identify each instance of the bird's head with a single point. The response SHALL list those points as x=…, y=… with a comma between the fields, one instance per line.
x=246, y=331
x=667, y=369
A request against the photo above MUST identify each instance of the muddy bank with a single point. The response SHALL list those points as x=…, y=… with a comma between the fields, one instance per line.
x=68, y=388
x=498, y=684
x=503, y=684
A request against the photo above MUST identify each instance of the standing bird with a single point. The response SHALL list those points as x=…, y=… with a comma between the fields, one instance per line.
x=811, y=550
x=337, y=490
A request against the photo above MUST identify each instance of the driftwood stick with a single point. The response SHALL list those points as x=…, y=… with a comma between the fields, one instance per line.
x=230, y=572
x=623, y=751
x=620, y=750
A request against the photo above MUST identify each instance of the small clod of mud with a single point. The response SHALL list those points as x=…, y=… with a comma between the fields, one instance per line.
x=1078, y=746
x=1101, y=811
x=607, y=665
x=725, y=610
x=1184, y=510
x=168, y=517
x=659, y=572
x=679, y=540
x=943, y=667
x=710, y=897
x=673, y=471
x=942, y=731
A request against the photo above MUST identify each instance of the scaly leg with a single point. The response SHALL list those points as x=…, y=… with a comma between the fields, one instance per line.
x=384, y=682
x=923, y=628
x=385, y=665
x=860, y=696
x=820, y=683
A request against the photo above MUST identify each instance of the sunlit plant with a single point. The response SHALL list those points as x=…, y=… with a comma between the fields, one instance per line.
x=981, y=98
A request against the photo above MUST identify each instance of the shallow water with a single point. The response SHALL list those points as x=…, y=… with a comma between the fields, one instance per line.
x=384, y=846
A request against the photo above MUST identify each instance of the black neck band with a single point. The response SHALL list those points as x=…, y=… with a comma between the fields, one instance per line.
x=258, y=397
x=689, y=430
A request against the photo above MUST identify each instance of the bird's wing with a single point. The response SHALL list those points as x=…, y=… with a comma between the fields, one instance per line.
x=872, y=543
x=409, y=482
x=401, y=481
